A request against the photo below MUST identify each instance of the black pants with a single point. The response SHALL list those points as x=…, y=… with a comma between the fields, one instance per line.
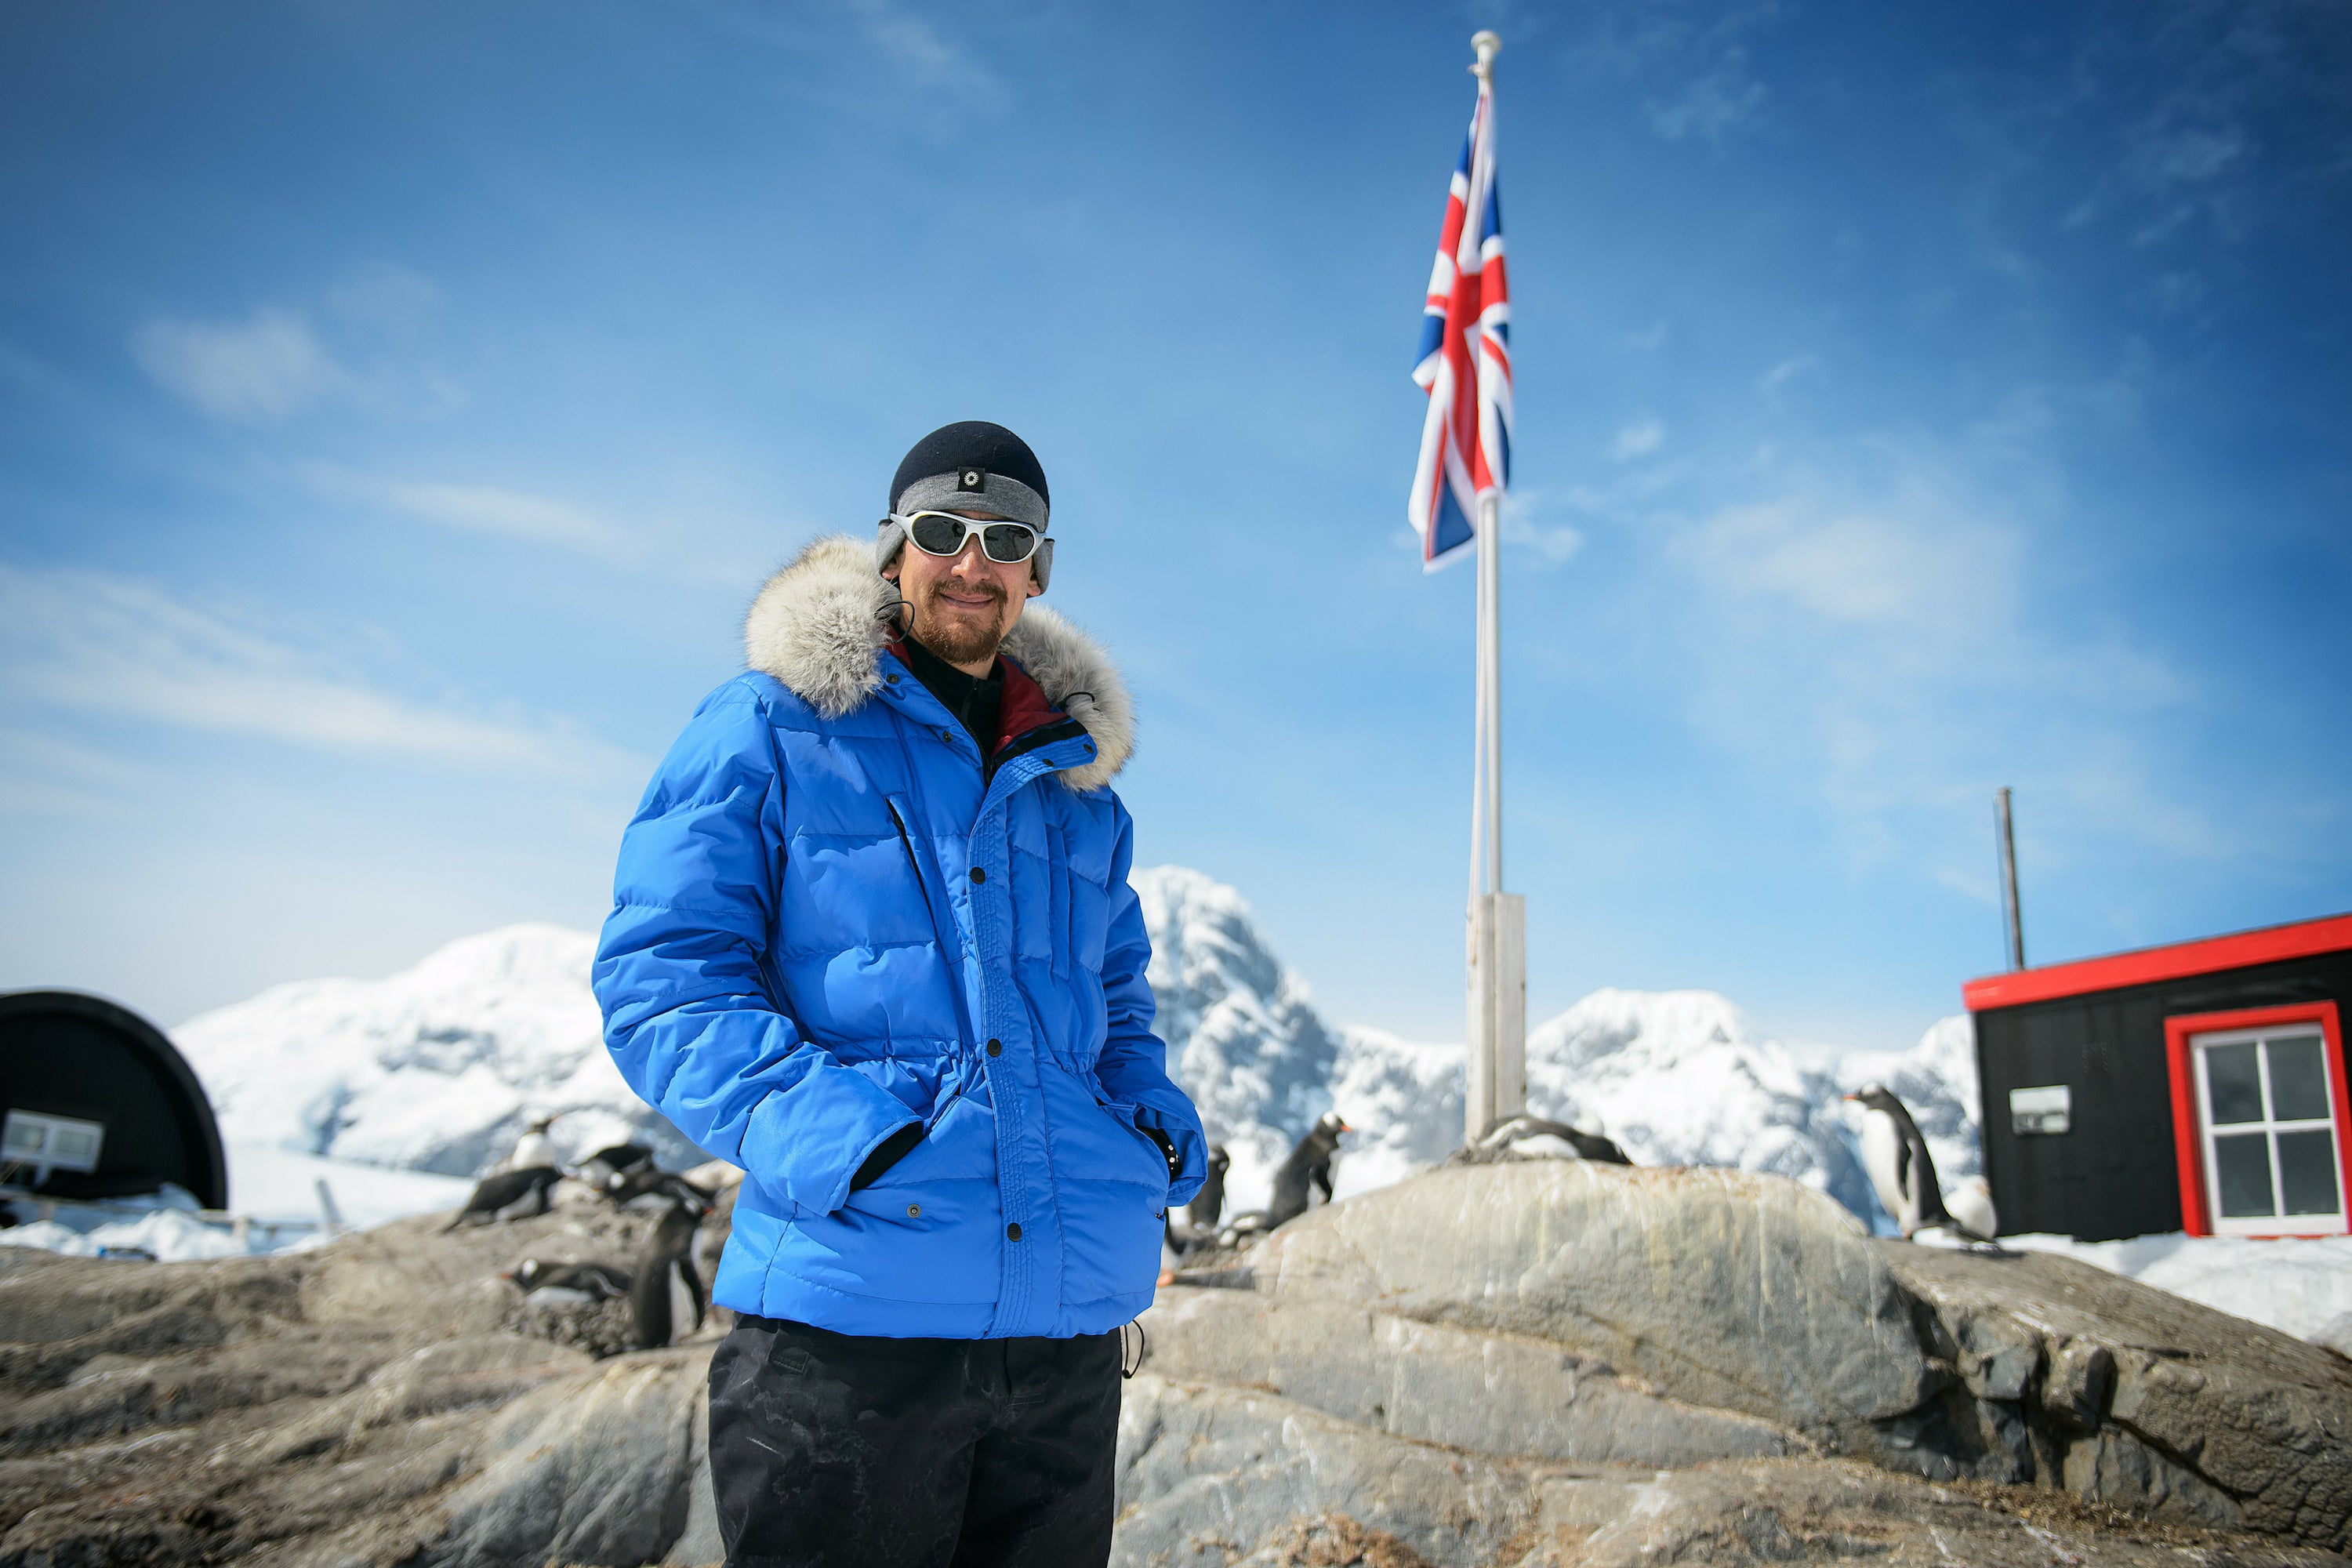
x=837, y=1451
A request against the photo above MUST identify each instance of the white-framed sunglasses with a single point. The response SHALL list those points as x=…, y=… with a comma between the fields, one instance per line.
x=945, y=534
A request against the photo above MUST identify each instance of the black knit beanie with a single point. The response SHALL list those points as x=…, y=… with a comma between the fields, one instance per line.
x=973, y=466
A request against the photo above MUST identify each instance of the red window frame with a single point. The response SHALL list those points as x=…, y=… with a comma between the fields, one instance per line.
x=2188, y=1138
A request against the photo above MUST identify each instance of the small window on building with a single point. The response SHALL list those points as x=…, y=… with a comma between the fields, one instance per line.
x=2273, y=1151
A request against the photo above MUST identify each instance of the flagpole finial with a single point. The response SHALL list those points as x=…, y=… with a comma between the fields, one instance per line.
x=1485, y=46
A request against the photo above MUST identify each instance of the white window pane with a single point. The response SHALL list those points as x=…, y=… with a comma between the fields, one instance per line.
x=2242, y=1163
x=2235, y=1077
x=2307, y=1172
x=2298, y=1080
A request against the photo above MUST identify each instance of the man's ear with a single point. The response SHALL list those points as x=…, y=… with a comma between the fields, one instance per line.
x=1035, y=587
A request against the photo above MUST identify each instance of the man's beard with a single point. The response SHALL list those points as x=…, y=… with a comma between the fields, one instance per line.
x=961, y=637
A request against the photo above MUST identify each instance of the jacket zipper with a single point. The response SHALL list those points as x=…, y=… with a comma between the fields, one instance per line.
x=963, y=1074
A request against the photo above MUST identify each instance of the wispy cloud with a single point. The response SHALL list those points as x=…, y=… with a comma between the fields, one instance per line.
x=278, y=361
x=910, y=65
x=264, y=367
x=1523, y=514
x=925, y=55
x=485, y=509
x=1786, y=371
x=1711, y=105
x=1638, y=440
x=97, y=643
x=1869, y=623
x=1690, y=54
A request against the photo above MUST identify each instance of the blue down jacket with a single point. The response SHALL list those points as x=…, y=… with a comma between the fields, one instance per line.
x=829, y=921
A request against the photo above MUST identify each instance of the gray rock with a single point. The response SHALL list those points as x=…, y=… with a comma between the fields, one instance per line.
x=593, y=1469
x=1716, y=1288
x=1498, y=1394
x=2197, y=1413
x=1238, y=1478
x=699, y=1542
x=2113, y=1466
x=2081, y=1382
x=1208, y=1474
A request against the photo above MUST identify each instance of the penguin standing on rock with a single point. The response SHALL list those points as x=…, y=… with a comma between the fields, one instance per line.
x=506, y=1194
x=1971, y=1204
x=1901, y=1169
x=1309, y=1162
x=1196, y=1224
x=535, y=1148
x=667, y=1289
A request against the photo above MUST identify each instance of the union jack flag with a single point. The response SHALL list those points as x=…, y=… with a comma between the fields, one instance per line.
x=1465, y=354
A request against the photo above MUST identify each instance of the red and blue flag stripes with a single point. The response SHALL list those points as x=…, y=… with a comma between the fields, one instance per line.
x=1465, y=354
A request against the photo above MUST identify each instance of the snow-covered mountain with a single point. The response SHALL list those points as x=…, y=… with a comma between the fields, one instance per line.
x=1243, y=1038
x=438, y=1069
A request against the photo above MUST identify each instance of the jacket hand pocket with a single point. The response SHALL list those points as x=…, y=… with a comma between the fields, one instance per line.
x=887, y=1153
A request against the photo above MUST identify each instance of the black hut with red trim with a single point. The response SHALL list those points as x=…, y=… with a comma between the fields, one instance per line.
x=2197, y=1087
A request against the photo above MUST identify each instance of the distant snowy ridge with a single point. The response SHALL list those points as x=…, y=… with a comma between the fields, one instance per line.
x=439, y=1067
x=1679, y=1077
x=435, y=1068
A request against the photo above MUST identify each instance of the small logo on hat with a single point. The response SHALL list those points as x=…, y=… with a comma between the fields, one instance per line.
x=972, y=479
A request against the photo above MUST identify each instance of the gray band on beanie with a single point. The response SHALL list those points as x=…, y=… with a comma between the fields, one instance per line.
x=950, y=492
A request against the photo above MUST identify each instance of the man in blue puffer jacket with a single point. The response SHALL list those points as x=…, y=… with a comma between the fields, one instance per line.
x=872, y=939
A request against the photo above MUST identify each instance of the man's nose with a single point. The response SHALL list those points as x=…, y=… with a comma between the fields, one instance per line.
x=970, y=561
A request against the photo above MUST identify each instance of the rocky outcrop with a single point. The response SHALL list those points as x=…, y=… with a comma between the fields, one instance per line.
x=1568, y=1312
x=1498, y=1394
x=367, y=1403
x=1717, y=1288
x=1539, y=1363
x=1215, y=1477
x=2140, y=1400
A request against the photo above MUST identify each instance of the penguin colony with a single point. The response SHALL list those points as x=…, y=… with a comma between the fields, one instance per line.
x=668, y=1298
x=663, y=1285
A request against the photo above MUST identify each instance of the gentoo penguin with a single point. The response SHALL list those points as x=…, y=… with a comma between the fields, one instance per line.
x=605, y=1166
x=534, y=1147
x=1970, y=1204
x=1309, y=1162
x=649, y=1180
x=506, y=1194
x=718, y=1225
x=1552, y=1138
x=1897, y=1160
x=1207, y=1204
x=566, y=1284
x=666, y=1289
x=1195, y=1224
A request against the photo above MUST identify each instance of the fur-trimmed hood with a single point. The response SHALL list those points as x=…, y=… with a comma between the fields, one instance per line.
x=818, y=628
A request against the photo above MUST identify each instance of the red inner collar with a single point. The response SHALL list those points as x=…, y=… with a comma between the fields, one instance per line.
x=1022, y=707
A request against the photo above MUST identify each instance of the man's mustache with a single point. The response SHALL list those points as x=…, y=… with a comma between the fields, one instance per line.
x=993, y=591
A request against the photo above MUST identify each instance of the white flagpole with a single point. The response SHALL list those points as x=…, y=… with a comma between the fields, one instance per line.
x=1497, y=1010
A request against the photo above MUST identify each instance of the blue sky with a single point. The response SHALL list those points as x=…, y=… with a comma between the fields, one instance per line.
x=399, y=403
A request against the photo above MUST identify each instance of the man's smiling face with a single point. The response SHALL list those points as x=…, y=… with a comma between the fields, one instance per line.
x=961, y=608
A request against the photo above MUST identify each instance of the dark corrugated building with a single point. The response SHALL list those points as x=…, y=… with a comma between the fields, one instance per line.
x=2198, y=1087
x=95, y=1103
